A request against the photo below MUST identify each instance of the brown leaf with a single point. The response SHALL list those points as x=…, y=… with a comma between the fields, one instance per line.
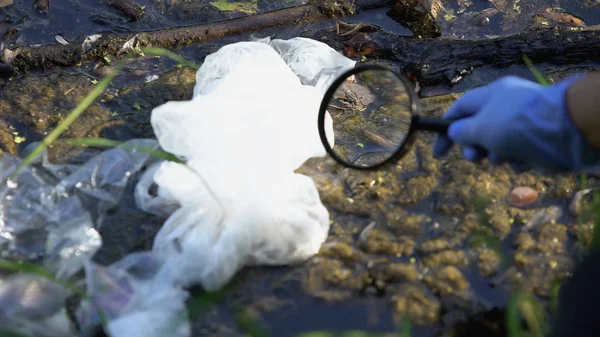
x=4, y=3
x=563, y=18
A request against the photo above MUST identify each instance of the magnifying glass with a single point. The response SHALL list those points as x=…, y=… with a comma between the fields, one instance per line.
x=373, y=117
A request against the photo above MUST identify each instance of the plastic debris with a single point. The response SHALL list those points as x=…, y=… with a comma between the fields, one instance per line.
x=137, y=298
x=61, y=39
x=89, y=42
x=315, y=62
x=236, y=202
x=34, y=306
x=251, y=123
x=51, y=213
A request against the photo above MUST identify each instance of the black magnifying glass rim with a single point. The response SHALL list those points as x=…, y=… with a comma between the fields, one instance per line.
x=409, y=139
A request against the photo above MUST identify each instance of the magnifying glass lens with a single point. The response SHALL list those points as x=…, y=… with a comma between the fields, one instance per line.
x=371, y=113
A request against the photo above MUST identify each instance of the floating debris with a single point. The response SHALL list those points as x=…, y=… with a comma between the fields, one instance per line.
x=151, y=78
x=483, y=18
x=559, y=16
x=42, y=5
x=89, y=42
x=134, y=11
x=128, y=46
x=4, y=3
x=61, y=40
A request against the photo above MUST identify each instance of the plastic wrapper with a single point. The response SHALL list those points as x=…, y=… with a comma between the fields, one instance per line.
x=50, y=214
x=315, y=63
x=137, y=297
x=34, y=306
x=251, y=123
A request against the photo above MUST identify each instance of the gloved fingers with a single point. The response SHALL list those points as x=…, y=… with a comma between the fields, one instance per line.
x=442, y=146
x=464, y=131
x=469, y=103
x=473, y=153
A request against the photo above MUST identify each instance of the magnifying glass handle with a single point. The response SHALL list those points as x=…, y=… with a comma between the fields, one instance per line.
x=431, y=124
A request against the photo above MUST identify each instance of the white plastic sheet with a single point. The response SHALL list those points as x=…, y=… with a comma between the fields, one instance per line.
x=251, y=123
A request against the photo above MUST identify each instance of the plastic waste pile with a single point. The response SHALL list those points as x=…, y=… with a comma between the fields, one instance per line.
x=237, y=201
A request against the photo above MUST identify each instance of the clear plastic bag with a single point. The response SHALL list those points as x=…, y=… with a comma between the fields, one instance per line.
x=137, y=297
x=50, y=214
x=34, y=306
x=315, y=63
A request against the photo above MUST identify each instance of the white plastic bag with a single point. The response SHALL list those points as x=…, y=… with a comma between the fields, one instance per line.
x=251, y=123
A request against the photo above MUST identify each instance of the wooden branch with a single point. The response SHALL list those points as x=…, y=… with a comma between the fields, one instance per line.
x=50, y=56
x=444, y=61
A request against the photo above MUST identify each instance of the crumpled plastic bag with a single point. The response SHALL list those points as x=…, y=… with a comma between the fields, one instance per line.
x=34, y=306
x=274, y=224
x=315, y=63
x=250, y=125
x=137, y=297
x=50, y=214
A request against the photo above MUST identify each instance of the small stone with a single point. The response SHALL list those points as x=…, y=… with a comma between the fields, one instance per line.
x=522, y=196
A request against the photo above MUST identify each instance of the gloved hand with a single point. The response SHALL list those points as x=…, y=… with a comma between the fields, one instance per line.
x=520, y=122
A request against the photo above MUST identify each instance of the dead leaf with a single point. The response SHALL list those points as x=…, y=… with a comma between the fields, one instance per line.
x=4, y=3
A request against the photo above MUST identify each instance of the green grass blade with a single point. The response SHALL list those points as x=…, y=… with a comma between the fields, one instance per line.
x=348, y=333
x=595, y=244
x=8, y=333
x=513, y=316
x=171, y=55
x=536, y=73
x=103, y=142
x=533, y=314
x=554, y=292
x=406, y=328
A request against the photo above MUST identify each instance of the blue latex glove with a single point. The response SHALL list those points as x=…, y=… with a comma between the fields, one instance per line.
x=521, y=122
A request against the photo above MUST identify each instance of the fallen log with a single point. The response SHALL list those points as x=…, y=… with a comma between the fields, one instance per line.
x=51, y=56
x=434, y=62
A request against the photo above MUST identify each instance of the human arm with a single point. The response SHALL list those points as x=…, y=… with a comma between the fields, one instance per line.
x=583, y=103
x=525, y=124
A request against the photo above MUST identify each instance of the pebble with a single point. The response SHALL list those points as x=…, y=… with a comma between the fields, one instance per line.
x=522, y=196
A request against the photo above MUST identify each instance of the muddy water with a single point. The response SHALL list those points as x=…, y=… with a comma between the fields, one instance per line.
x=400, y=243
x=26, y=23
